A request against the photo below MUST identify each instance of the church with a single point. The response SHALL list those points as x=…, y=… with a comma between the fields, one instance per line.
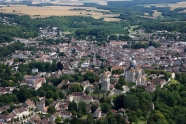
x=134, y=73
x=105, y=81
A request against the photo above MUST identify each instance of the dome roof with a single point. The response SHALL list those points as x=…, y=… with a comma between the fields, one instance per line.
x=151, y=47
x=133, y=63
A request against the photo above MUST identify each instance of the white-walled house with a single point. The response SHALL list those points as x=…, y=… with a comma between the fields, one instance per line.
x=79, y=96
x=97, y=113
x=16, y=113
x=66, y=114
x=20, y=112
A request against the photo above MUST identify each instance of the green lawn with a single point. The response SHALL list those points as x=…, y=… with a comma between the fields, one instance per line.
x=140, y=122
x=96, y=95
x=112, y=96
x=84, y=117
x=130, y=84
x=172, y=81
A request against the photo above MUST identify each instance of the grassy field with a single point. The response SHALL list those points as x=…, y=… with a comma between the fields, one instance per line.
x=47, y=11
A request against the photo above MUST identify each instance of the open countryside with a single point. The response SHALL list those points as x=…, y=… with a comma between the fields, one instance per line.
x=47, y=11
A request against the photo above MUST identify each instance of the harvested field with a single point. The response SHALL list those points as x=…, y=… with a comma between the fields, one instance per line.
x=47, y=11
x=178, y=5
x=156, y=13
x=42, y=11
x=111, y=19
x=146, y=13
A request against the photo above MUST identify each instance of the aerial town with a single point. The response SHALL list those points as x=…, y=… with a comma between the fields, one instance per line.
x=108, y=62
x=78, y=70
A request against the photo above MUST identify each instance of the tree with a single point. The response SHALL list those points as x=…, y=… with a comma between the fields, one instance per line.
x=49, y=94
x=72, y=106
x=80, y=114
x=102, y=121
x=76, y=121
x=120, y=83
x=105, y=107
x=91, y=77
x=49, y=101
x=59, y=66
x=56, y=96
x=111, y=119
x=40, y=92
x=23, y=94
x=90, y=119
x=61, y=95
x=58, y=119
x=51, y=110
x=93, y=108
x=76, y=88
x=156, y=116
x=129, y=101
x=120, y=119
x=82, y=106
x=87, y=91
x=73, y=51
x=113, y=37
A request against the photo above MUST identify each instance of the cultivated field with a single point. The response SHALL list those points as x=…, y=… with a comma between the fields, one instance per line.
x=156, y=13
x=47, y=11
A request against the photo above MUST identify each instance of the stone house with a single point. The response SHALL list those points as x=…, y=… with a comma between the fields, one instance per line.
x=79, y=96
x=40, y=105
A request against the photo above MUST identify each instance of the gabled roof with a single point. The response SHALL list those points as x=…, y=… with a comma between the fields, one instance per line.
x=29, y=102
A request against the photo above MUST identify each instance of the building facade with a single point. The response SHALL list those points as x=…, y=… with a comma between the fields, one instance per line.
x=105, y=81
x=134, y=73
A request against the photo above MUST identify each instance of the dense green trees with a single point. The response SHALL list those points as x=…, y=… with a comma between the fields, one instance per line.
x=120, y=83
x=8, y=78
x=130, y=101
x=97, y=33
x=83, y=26
x=82, y=109
x=105, y=107
x=78, y=109
x=168, y=104
x=91, y=77
x=6, y=99
x=8, y=32
x=90, y=119
x=41, y=66
x=7, y=50
x=181, y=78
x=171, y=26
x=51, y=110
x=76, y=88
x=72, y=106
x=51, y=92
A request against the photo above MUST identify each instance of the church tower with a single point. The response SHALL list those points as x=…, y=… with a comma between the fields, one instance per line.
x=134, y=73
x=105, y=81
